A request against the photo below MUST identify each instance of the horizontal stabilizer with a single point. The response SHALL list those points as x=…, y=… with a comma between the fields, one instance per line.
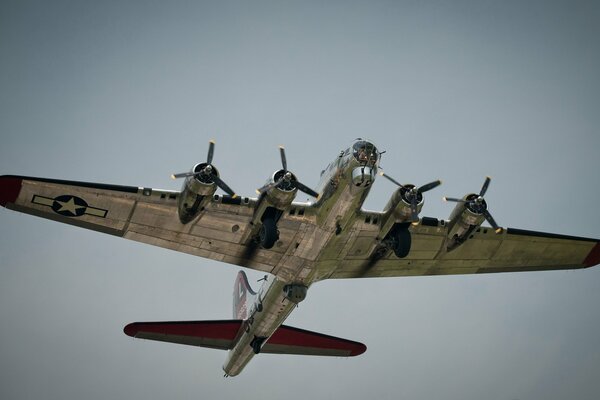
x=223, y=335
x=214, y=334
x=290, y=340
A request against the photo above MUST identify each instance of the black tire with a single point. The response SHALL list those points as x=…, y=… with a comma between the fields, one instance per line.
x=256, y=347
x=268, y=233
x=256, y=344
x=402, y=243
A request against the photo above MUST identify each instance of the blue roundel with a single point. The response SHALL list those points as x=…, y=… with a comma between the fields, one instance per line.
x=69, y=206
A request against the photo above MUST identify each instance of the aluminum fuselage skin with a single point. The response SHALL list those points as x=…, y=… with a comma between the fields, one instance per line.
x=341, y=194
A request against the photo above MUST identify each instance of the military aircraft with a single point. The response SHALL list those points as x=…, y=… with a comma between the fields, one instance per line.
x=295, y=243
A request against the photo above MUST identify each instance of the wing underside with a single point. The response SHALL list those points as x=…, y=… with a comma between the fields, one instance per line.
x=486, y=251
x=150, y=216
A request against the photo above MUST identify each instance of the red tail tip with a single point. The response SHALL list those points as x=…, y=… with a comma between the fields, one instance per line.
x=358, y=350
x=131, y=329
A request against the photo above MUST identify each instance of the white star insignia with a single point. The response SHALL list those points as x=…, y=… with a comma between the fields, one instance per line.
x=69, y=206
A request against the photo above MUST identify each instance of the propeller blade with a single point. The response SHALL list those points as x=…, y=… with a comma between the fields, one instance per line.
x=183, y=175
x=485, y=186
x=300, y=186
x=305, y=189
x=391, y=179
x=413, y=209
x=283, y=159
x=219, y=182
x=211, y=152
x=478, y=204
x=455, y=200
x=270, y=185
x=188, y=174
x=429, y=186
x=208, y=170
x=491, y=220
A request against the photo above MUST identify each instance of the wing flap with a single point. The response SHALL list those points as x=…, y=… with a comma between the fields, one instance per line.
x=290, y=340
x=213, y=334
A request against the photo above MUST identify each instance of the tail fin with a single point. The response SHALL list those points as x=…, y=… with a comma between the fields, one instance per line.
x=243, y=296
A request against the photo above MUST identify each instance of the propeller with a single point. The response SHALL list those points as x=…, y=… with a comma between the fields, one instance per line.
x=478, y=205
x=207, y=173
x=411, y=194
x=287, y=178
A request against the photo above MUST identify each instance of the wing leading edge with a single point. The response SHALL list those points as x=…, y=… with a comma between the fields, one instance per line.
x=223, y=334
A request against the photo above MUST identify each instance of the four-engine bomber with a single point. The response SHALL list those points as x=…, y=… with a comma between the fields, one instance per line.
x=295, y=244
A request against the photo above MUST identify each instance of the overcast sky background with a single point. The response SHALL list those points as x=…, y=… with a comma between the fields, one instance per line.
x=129, y=92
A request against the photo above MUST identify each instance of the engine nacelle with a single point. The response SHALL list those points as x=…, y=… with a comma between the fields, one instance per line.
x=196, y=192
x=399, y=204
x=282, y=195
x=275, y=197
x=465, y=218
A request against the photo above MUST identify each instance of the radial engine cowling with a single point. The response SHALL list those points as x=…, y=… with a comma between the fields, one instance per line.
x=465, y=218
x=282, y=195
x=196, y=192
x=400, y=203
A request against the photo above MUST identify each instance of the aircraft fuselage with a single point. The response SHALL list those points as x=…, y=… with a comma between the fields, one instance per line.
x=344, y=186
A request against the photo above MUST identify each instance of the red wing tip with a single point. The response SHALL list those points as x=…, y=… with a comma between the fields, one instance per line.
x=10, y=187
x=593, y=258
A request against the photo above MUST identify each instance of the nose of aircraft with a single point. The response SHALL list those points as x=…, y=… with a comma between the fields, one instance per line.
x=365, y=152
x=363, y=176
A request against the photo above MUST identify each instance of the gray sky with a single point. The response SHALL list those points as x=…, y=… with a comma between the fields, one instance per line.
x=130, y=92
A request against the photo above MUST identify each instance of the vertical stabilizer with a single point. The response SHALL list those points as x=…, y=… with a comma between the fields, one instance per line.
x=243, y=296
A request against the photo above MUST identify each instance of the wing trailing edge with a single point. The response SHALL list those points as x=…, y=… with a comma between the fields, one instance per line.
x=223, y=335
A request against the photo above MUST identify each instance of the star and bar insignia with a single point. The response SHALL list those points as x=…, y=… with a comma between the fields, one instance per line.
x=69, y=206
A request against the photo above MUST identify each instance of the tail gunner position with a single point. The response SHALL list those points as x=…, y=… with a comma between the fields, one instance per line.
x=295, y=243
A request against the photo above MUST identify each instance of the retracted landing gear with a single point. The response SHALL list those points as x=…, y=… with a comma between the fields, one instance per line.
x=257, y=343
x=399, y=240
x=268, y=233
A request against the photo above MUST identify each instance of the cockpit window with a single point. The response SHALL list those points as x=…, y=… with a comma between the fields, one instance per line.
x=365, y=152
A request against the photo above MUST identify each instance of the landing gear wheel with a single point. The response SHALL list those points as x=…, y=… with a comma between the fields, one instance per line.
x=256, y=344
x=402, y=242
x=256, y=347
x=268, y=234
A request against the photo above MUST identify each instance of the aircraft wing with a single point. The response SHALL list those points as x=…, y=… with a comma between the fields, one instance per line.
x=150, y=216
x=484, y=252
